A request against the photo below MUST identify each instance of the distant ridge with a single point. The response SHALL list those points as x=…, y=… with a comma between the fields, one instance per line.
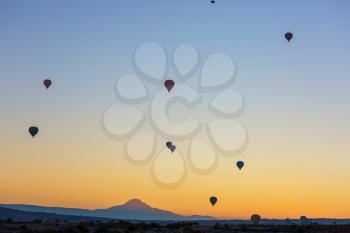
x=133, y=209
x=25, y=216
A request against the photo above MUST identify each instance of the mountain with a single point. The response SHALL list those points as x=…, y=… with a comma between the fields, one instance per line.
x=24, y=216
x=134, y=209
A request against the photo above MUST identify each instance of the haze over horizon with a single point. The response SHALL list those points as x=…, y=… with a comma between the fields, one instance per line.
x=136, y=209
x=296, y=112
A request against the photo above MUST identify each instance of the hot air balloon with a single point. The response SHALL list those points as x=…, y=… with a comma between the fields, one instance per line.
x=170, y=146
x=169, y=84
x=240, y=164
x=304, y=220
x=288, y=36
x=255, y=219
x=33, y=130
x=47, y=83
x=213, y=200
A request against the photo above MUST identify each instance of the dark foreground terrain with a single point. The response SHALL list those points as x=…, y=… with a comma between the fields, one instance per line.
x=56, y=226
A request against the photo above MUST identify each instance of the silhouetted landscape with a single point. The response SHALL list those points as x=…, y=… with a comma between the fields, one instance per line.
x=137, y=216
x=57, y=226
x=133, y=209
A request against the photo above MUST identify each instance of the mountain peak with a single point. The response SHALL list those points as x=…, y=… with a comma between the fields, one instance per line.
x=136, y=204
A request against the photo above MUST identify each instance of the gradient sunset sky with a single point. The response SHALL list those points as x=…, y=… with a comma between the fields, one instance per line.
x=297, y=103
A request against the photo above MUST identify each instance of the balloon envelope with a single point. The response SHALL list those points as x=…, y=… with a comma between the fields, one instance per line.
x=172, y=148
x=47, y=83
x=169, y=144
x=169, y=84
x=240, y=164
x=33, y=131
x=288, y=36
x=213, y=200
x=304, y=220
x=255, y=219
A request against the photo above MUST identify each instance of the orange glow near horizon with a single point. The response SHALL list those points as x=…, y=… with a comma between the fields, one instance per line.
x=269, y=189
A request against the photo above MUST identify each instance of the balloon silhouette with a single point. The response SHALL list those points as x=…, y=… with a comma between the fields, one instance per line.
x=33, y=131
x=255, y=219
x=288, y=36
x=240, y=164
x=212, y=1
x=169, y=84
x=170, y=146
x=304, y=220
x=47, y=83
x=213, y=200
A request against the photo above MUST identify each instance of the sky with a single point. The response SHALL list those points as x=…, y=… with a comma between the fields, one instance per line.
x=296, y=109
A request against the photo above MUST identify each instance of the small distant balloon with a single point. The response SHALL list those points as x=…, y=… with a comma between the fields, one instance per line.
x=33, y=130
x=255, y=219
x=288, y=36
x=170, y=146
x=169, y=84
x=212, y=1
x=304, y=220
x=213, y=200
x=47, y=83
x=240, y=164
